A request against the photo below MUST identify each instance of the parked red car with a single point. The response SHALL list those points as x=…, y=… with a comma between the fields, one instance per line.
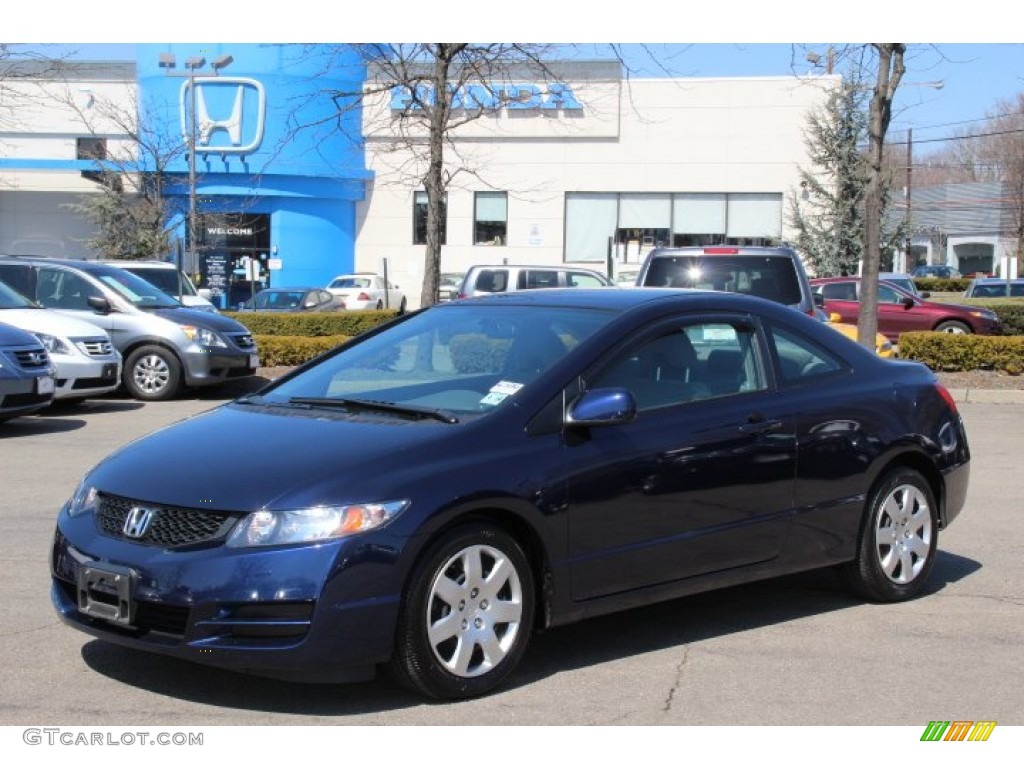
x=899, y=311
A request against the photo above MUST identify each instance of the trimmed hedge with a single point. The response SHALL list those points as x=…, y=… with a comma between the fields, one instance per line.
x=277, y=351
x=964, y=352
x=942, y=284
x=348, y=323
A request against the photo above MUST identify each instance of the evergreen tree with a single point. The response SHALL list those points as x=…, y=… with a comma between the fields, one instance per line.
x=828, y=212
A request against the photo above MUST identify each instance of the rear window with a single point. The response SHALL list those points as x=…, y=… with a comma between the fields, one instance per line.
x=769, y=277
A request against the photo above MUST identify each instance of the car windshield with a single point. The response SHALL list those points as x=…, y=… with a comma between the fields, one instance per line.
x=139, y=292
x=350, y=282
x=768, y=277
x=11, y=299
x=164, y=279
x=455, y=359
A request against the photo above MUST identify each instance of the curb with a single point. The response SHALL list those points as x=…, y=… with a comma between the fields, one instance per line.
x=989, y=396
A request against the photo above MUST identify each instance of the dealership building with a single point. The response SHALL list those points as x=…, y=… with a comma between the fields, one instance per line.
x=296, y=178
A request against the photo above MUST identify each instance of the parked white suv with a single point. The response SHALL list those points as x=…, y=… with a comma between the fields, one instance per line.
x=499, y=278
x=169, y=279
x=85, y=361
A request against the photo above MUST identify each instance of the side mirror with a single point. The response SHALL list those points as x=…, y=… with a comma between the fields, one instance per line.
x=908, y=303
x=99, y=304
x=603, y=407
x=819, y=300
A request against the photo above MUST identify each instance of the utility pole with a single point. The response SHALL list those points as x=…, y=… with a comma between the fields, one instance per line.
x=192, y=64
x=910, y=230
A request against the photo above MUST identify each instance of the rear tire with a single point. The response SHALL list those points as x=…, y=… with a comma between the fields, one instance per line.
x=466, y=615
x=898, y=540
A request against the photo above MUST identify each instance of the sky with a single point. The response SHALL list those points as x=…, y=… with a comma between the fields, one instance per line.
x=978, y=62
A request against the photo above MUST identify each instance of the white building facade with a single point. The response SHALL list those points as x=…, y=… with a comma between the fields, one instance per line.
x=589, y=168
x=631, y=164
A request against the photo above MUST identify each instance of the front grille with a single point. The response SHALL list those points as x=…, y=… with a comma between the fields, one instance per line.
x=92, y=383
x=31, y=359
x=167, y=526
x=243, y=340
x=96, y=347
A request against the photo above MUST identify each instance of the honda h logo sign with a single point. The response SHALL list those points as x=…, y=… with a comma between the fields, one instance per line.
x=137, y=522
x=230, y=114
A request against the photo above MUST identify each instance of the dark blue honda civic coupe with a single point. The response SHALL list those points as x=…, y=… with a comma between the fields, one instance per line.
x=428, y=495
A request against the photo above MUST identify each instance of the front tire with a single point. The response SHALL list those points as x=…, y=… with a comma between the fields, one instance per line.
x=152, y=373
x=899, y=539
x=953, y=326
x=466, y=615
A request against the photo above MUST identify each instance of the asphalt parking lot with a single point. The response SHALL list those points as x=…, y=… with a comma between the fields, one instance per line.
x=793, y=651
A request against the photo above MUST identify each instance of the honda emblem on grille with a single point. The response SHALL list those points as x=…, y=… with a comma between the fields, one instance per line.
x=137, y=522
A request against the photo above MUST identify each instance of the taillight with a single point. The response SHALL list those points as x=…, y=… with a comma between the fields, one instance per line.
x=722, y=251
x=948, y=398
x=363, y=296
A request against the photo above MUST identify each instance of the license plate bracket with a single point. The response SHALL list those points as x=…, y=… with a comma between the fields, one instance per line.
x=105, y=592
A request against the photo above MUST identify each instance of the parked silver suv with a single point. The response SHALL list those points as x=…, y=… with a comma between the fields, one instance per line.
x=773, y=273
x=165, y=346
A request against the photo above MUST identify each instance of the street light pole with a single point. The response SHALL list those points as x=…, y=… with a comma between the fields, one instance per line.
x=192, y=64
x=910, y=225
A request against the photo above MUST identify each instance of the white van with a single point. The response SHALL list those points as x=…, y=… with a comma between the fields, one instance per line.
x=85, y=361
x=169, y=279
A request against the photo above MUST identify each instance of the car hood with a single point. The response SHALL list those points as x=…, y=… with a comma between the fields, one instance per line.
x=52, y=323
x=201, y=319
x=248, y=457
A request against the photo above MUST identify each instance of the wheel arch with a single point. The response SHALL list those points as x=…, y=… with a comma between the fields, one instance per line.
x=517, y=527
x=151, y=342
x=922, y=464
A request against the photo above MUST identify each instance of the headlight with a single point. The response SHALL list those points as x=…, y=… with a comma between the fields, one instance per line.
x=265, y=528
x=203, y=337
x=83, y=500
x=986, y=313
x=53, y=344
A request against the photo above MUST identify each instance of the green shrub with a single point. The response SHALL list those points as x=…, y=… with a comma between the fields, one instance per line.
x=349, y=323
x=277, y=351
x=942, y=284
x=964, y=352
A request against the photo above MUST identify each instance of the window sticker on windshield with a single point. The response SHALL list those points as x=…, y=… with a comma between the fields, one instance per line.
x=500, y=391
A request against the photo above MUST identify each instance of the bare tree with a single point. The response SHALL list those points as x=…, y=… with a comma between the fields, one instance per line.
x=889, y=72
x=431, y=91
x=134, y=217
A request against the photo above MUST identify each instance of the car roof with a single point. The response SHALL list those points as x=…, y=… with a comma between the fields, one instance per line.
x=532, y=266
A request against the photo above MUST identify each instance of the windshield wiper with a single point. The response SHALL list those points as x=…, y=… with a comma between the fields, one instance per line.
x=376, y=405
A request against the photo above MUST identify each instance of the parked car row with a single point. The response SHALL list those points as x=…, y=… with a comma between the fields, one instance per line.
x=102, y=327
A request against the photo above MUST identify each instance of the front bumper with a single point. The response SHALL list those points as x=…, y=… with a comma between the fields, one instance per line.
x=79, y=376
x=318, y=613
x=206, y=367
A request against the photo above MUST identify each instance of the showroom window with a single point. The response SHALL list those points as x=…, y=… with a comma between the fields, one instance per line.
x=637, y=222
x=419, y=219
x=490, y=218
